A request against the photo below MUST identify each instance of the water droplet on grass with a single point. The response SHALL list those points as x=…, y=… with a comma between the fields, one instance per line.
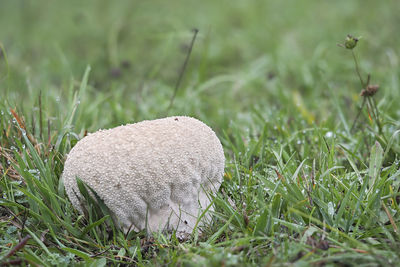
x=331, y=209
x=329, y=135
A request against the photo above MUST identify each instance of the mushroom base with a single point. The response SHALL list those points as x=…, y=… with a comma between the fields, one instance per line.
x=182, y=218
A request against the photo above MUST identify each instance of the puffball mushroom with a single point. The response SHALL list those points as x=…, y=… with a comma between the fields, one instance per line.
x=153, y=174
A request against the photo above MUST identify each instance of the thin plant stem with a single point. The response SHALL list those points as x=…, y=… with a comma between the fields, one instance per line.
x=178, y=82
x=371, y=104
x=358, y=114
x=358, y=70
x=369, y=108
x=375, y=113
x=40, y=116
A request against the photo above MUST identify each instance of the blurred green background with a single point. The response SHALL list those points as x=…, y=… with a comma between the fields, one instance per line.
x=272, y=56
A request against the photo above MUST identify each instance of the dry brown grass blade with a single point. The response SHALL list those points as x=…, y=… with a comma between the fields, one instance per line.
x=21, y=124
x=392, y=222
x=280, y=176
x=19, y=120
x=19, y=246
x=9, y=171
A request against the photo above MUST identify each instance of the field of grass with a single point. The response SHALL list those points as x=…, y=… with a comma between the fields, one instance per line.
x=309, y=180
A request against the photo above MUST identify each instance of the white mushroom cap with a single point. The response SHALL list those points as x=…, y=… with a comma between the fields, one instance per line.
x=162, y=169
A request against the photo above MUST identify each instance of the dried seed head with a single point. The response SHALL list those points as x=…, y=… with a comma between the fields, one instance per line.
x=350, y=42
x=370, y=90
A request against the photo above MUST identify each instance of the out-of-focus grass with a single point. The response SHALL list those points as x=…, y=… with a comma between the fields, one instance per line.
x=299, y=188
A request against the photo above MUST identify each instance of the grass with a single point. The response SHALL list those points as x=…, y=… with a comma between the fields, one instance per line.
x=302, y=186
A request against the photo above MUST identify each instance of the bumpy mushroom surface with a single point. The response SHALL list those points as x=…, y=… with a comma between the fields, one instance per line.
x=153, y=174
